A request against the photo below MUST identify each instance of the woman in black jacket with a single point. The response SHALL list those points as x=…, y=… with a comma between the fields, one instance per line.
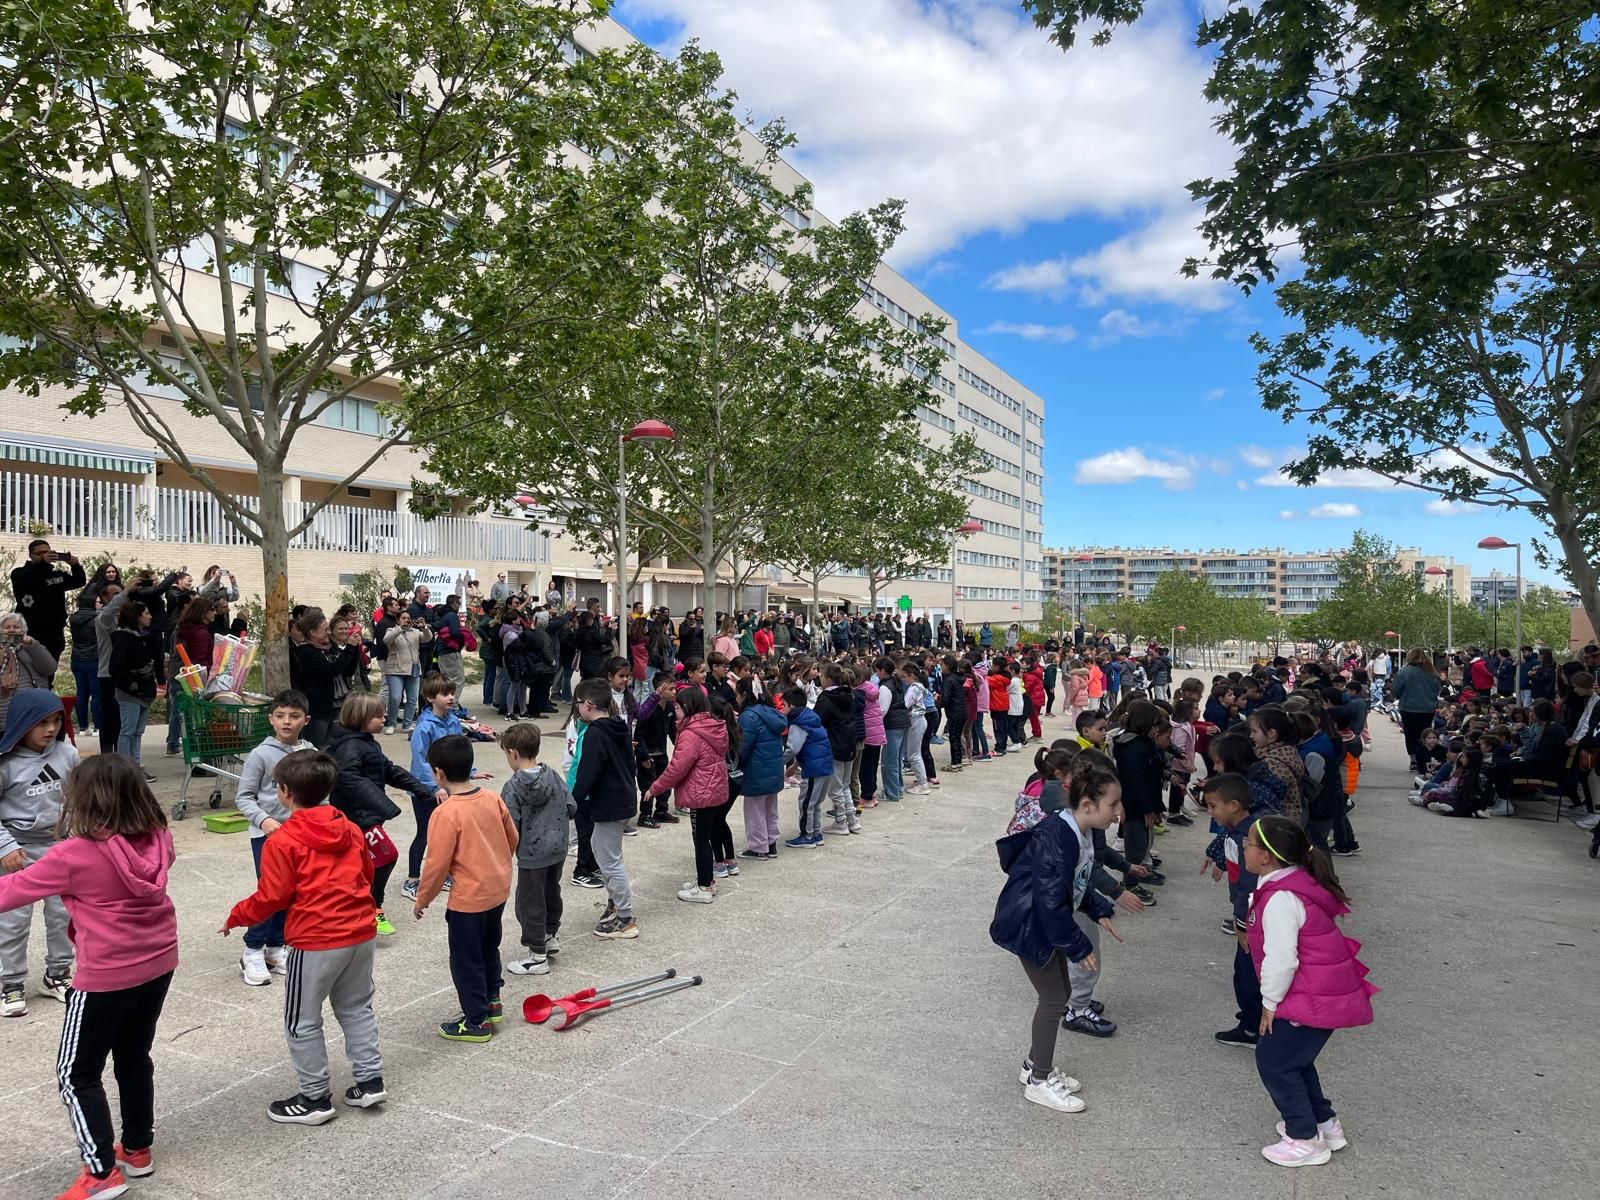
x=594, y=646
x=364, y=772
x=134, y=658
x=321, y=669
x=953, y=699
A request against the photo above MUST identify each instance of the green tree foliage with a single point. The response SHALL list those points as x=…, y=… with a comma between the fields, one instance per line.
x=247, y=213
x=1437, y=170
x=749, y=337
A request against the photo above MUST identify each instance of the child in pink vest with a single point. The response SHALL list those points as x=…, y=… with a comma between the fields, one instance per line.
x=1311, y=984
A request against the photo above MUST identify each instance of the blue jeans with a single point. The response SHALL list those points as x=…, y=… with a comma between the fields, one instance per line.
x=490, y=671
x=401, y=693
x=894, y=752
x=270, y=931
x=131, y=737
x=980, y=739
x=86, y=678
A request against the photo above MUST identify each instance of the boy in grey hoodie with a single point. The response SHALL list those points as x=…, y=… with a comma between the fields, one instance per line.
x=257, y=798
x=541, y=808
x=35, y=759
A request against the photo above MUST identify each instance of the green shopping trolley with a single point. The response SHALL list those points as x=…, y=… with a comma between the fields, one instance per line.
x=216, y=739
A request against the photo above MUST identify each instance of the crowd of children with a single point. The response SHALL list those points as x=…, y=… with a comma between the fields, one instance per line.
x=847, y=734
x=1278, y=787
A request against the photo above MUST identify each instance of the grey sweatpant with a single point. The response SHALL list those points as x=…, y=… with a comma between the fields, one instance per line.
x=840, y=803
x=343, y=977
x=606, y=842
x=16, y=924
x=1083, y=979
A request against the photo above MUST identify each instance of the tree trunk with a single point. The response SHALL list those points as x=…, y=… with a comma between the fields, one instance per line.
x=1585, y=579
x=275, y=575
x=873, y=584
x=816, y=599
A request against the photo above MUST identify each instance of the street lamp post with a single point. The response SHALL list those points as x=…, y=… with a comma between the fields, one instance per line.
x=644, y=431
x=1495, y=543
x=1077, y=585
x=1449, y=574
x=1176, y=630
x=970, y=525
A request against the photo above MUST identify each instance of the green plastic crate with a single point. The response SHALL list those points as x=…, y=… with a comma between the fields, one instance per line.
x=226, y=822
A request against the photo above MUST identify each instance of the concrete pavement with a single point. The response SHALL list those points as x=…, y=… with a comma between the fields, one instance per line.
x=857, y=1033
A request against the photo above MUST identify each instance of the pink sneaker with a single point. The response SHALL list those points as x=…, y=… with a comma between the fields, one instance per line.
x=1329, y=1131
x=1292, y=1152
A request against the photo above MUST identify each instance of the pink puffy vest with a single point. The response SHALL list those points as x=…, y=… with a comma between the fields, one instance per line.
x=1330, y=988
x=868, y=687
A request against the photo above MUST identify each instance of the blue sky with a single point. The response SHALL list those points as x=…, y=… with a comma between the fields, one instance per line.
x=1048, y=214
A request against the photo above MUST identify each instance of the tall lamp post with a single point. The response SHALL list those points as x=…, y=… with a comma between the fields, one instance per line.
x=1077, y=585
x=969, y=526
x=1449, y=574
x=644, y=431
x=1494, y=543
x=1176, y=630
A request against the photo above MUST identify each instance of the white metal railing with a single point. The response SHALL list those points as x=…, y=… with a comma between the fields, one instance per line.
x=52, y=506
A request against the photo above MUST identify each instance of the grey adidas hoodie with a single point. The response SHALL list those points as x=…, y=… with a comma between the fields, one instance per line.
x=30, y=781
x=540, y=808
x=257, y=797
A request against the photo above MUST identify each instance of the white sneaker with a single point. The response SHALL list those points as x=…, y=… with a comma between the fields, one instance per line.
x=1439, y=806
x=1500, y=808
x=1292, y=1152
x=534, y=964
x=1067, y=1081
x=57, y=987
x=1330, y=1132
x=277, y=959
x=836, y=827
x=915, y=790
x=1052, y=1093
x=695, y=894
x=388, y=729
x=1588, y=821
x=552, y=944
x=14, y=1002
x=253, y=965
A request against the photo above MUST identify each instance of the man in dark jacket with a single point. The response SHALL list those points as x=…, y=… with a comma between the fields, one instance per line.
x=40, y=588
x=424, y=613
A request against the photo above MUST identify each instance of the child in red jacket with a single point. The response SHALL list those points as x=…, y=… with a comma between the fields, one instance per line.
x=1033, y=686
x=316, y=867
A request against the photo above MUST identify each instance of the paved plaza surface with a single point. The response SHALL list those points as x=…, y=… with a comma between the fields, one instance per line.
x=857, y=1033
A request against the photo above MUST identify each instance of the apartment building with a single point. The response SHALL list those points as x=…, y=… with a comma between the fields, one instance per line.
x=1289, y=584
x=100, y=486
x=1493, y=590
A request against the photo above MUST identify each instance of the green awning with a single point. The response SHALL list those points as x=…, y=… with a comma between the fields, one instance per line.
x=121, y=462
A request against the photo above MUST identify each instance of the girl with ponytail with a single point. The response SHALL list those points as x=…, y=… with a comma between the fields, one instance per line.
x=1311, y=983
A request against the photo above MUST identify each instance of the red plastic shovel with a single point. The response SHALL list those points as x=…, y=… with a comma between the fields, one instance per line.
x=538, y=1008
x=579, y=1010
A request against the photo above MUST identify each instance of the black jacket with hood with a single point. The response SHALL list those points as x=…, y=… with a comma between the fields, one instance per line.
x=606, y=783
x=364, y=772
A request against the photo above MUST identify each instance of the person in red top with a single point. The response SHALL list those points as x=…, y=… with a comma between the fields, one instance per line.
x=1000, y=705
x=762, y=640
x=316, y=867
x=1033, y=685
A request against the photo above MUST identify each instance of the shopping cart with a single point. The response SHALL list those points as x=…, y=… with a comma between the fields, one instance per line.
x=216, y=738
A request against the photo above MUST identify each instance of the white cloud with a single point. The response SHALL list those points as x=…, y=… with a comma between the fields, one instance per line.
x=1339, y=477
x=1143, y=264
x=1441, y=507
x=1032, y=331
x=1132, y=464
x=1287, y=514
x=1119, y=323
x=970, y=114
x=1335, y=511
x=1216, y=393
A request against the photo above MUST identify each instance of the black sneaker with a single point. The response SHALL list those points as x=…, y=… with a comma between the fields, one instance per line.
x=648, y=823
x=497, y=1011
x=459, y=1029
x=302, y=1110
x=589, y=881
x=1088, y=1021
x=1351, y=852
x=364, y=1093
x=667, y=818
x=1179, y=819
x=1155, y=861
x=1096, y=1007
x=1144, y=894
x=1237, y=1036
x=753, y=854
x=1152, y=878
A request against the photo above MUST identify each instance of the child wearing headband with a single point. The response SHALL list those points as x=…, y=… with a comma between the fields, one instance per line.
x=1311, y=983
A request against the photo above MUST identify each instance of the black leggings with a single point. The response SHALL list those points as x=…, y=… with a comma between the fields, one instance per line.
x=1413, y=723
x=709, y=827
x=871, y=756
x=931, y=728
x=121, y=1024
x=419, y=844
x=380, y=881
x=955, y=725
x=1054, y=988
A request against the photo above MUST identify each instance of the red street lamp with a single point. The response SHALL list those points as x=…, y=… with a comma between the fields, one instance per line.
x=644, y=431
x=1496, y=543
x=969, y=526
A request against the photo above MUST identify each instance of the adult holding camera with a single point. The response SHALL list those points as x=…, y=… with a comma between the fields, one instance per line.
x=40, y=587
x=25, y=662
x=422, y=613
